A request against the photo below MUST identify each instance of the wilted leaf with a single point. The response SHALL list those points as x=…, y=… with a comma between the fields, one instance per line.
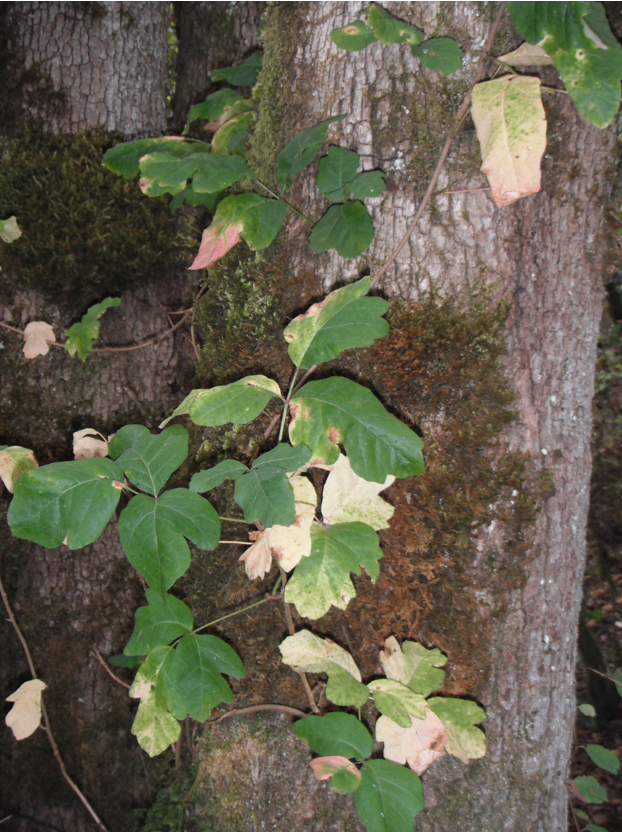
x=585, y=52
x=15, y=461
x=65, y=501
x=255, y=218
x=590, y=790
x=239, y=403
x=347, y=228
x=389, y=29
x=459, y=717
x=353, y=36
x=38, y=336
x=244, y=75
x=603, y=758
x=215, y=106
x=344, y=776
x=337, y=410
x=164, y=619
x=147, y=460
x=88, y=444
x=308, y=653
x=348, y=497
x=81, y=335
x=153, y=534
x=301, y=151
x=511, y=128
x=345, y=319
x=440, y=54
x=419, y=745
x=323, y=579
x=25, y=716
x=389, y=797
x=154, y=727
x=396, y=701
x=228, y=469
x=335, y=734
x=527, y=54
x=413, y=665
x=10, y=230
x=335, y=171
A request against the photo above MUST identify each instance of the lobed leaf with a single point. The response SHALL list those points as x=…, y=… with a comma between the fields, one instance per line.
x=239, y=402
x=348, y=498
x=301, y=151
x=38, y=335
x=323, y=579
x=65, y=501
x=335, y=734
x=440, y=54
x=209, y=172
x=337, y=411
x=389, y=797
x=244, y=75
x=397, y=702
x=413, y=665
x=153, y=533
x=344, y=320
x=511, y=128
x=347, y=228
x=25, y=716
x=255, y=218
x=228, y=469
x=164, y=619
x=154, y=727
x=459, y=717
x=264, y=494
x=81, y=335
x=147, y=460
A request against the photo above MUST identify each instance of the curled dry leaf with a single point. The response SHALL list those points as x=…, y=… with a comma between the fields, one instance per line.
x=287, y=544
x=37, y=336
x=25, y=716
x=89, y=443
x=527, y=55
x=15, y=461
x=511, y=128
x=418, y=745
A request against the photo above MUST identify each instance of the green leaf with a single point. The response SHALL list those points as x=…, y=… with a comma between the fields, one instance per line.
x=255, y=218
x=593, y=827
x=335, y=734
x=233, y=135
x=337, y=410
x=182, y=409
x=459, y=716
x=301, y=151
x=441, y=54
x=323, y=578
x=239, y=403
x=215, y=105
x=124, y=158
x=347, y=228
x=389, y=29
x=585, y=53
x=285, y=457
x=159, y=623
x=346, y=779
x=617, y=678
x=209, y=201
x=335, y=170
x=305, y=652
x=153, y=726
x=389, y=797
x=130, y=662
x=195, y=674
x=228, y=469
x=590, y=789
x=396, y=701
x=10, y=230
x=345, y=319
x=353, y=36
x=413, y=665
x=580, y=813
x=244, y=75
x=147, y=460
x=603, y=758
x=210, y=172
x=367, y=185
x=587, y=710
x=81, y=335
x=153, y=533
x=65, y=500
x=265, y=494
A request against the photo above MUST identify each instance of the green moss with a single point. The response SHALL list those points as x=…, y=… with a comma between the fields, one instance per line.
x=86, y=232
x=168, y=813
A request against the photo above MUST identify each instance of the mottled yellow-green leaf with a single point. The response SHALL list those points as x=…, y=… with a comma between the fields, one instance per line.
x=15, y=461
x=154, y=727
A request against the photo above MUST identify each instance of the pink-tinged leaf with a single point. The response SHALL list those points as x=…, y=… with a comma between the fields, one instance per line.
x=325, y=767
x=217, y=239
x=418, y=745
x=38, y=336
x=257, y=559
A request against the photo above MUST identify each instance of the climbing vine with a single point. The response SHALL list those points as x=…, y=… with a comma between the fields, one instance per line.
x=319, y=534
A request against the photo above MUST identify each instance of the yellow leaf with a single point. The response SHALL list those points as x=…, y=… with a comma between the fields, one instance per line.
x=25, y=716
x=38, y=335
x=511, y=128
